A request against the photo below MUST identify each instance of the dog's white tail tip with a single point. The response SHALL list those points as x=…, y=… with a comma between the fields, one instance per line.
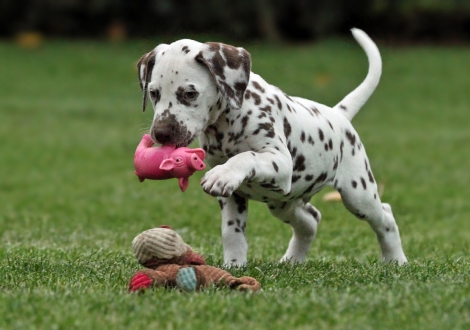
x=358, y=32
x=353, y=102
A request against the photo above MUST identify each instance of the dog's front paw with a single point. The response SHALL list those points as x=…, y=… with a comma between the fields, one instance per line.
x=221, y=181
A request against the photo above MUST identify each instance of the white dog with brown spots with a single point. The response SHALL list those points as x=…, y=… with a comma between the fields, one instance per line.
x=263, y=144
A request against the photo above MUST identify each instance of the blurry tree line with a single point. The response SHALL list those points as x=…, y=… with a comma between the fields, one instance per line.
x=441, y=20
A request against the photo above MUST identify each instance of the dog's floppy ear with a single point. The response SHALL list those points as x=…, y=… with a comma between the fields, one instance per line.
x=230, y=66
x=144, y=70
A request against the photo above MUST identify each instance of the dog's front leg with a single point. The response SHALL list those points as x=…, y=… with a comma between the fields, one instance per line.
x=234, y=213
x=270, y=168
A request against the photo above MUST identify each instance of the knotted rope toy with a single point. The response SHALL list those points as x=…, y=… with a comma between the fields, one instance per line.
x=172, y=263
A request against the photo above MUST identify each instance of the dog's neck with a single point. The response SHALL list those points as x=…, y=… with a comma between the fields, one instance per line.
x=211, y=137
x=219, y=111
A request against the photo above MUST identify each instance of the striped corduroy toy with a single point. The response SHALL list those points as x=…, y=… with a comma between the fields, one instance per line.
x=170, y=262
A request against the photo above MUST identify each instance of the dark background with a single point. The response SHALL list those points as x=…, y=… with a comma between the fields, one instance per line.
x=442, y=21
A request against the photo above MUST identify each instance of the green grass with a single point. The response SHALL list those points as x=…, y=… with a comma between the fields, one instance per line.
x=70, y=204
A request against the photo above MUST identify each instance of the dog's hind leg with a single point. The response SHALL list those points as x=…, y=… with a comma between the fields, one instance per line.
x=360, y=196
x=304, y=219
x=234, y=214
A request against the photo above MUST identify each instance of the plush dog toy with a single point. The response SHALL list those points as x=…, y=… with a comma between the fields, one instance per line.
x=170, y=262
x=167, y=162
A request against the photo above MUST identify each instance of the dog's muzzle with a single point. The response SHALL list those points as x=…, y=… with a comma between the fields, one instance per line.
x=163, y=133
x=171, y=133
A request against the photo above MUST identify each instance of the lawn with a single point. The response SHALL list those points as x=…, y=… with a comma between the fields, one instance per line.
x=70, y=204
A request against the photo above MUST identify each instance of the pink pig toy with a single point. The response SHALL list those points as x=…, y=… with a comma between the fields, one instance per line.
x=167, y=162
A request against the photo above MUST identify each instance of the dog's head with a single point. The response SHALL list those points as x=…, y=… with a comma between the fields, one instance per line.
x=189, y=84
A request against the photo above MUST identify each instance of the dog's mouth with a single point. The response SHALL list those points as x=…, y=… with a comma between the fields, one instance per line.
x=187, y=141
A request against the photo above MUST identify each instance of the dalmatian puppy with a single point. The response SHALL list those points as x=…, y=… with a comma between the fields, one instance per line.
x=264, y=145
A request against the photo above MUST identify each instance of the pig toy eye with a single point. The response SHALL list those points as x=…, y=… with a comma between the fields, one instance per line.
x=178, y=160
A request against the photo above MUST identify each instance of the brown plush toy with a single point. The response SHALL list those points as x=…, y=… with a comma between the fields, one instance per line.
x=170, y=262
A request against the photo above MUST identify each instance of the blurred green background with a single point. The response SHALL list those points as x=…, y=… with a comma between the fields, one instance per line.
x=70, y=204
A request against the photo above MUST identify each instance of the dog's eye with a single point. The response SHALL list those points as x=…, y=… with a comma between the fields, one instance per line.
x=190, y=95
x=155, y=95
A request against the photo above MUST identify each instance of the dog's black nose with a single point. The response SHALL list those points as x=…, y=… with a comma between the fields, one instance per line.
x=162, y=133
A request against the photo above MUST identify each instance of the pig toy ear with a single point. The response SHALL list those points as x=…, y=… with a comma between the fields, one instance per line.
x=167, y=164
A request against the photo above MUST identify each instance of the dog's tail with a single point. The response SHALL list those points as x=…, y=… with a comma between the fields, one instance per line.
x=353, y=102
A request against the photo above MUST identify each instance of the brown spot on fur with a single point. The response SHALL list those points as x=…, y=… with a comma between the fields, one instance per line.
x=299, y=164
x=258, y=87
x=287, y=128
x=257, y=98
x=279, y=104
x=371, y=177
x=233, y=56
x=351, y=137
